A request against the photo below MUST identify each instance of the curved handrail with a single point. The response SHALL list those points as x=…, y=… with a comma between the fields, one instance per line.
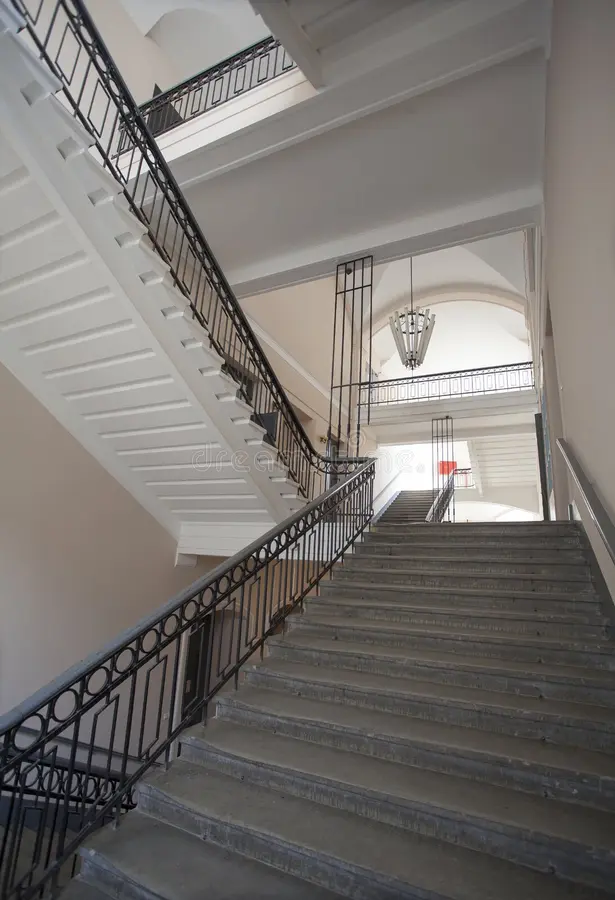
x=100, y=100
x=598, y=514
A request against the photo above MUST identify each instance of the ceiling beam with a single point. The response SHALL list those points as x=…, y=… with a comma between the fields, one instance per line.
x=278, y=18
x=484, y=218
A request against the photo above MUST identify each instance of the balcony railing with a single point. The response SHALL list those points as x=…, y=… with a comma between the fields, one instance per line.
x=464, y=478
x=466, y=383
x=250, y=68
x=63, y=34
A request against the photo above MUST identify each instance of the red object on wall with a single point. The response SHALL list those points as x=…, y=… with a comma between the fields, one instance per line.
x=446, y=467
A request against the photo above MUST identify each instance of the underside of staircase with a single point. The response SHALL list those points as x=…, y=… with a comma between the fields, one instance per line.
x=94, y=326
x=438, y=723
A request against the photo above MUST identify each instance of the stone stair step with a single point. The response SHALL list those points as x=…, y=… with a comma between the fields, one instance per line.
x=428, y=535
x=465, y=550
x=494, y=599
x=147, y=858
x=408, y=518
x=559, y=722
x=536, y=624
x=555, y=529
x=445, y=533
x=555, y=682
x=77, y=889
x=564, y=773
x=568, y=570
x=575, y=842
x=334, y=848
x=590, y=652
x=583, y=614
x=417, y=513
x=435, y=577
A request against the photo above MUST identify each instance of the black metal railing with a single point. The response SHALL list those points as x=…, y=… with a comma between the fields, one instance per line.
x=250, y=68
x=444, y=502
x=466, y=383
x=63, y=35
x=70, y=757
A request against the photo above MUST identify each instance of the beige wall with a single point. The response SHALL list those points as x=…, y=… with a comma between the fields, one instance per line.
x=580, y=230
x=80, y=560
x=140, y=60
x=300, y=320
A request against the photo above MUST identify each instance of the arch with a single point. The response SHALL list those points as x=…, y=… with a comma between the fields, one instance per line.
x=449, y=293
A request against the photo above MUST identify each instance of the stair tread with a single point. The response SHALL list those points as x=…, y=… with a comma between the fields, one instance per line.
x=451, y=573
x=570, y=618
x=490, y=544
x=532, y=707
x=597, y=677
x=394, y=726
x=173, y=864
x=595, y=645
x=560, y=524
x=512, y=593
x=395, y=856
x=76, y=889
x=415, y=786
x=387, y=558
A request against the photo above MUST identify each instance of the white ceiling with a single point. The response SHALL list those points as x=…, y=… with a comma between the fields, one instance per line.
x=146, y=13
x=329, y=22
x=489, y=339
x=462, y=144
x=467, y=289
x=492, y=266
x=195, y=39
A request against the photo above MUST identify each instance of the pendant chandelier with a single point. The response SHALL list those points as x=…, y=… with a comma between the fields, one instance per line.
x=412, y=330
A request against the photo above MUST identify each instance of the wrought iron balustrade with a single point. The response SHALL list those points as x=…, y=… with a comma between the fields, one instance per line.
x=62, y=33
x=443, y=501
x=248, y=69
x=70, y=757
x=465, y=383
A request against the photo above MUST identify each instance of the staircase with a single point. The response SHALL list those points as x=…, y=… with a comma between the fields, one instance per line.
x=408, y=506
x=440, y=723
x=114, y=313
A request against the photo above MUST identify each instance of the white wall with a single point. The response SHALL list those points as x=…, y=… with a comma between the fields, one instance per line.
x=195, y=39
x=412, y=465
x=80, y=560
x=580, y=234
x=140, y=60
x=491, y=512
